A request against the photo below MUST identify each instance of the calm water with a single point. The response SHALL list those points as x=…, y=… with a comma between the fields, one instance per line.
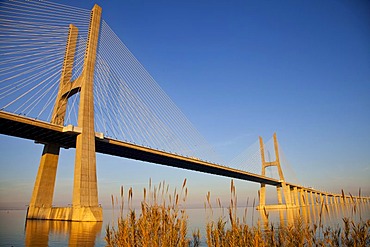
x=15, y=231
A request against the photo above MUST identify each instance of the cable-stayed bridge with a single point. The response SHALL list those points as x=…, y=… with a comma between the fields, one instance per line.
x=68, y=81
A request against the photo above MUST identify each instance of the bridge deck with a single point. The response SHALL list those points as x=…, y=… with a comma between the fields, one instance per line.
x=65, y=136
x=44, y=132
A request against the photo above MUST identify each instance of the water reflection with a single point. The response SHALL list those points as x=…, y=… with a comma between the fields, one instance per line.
x=62, y=233
x=322, y=214
x=39, y=232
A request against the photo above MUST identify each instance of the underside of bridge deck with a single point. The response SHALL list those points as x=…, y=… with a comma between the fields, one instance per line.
x=43, y=132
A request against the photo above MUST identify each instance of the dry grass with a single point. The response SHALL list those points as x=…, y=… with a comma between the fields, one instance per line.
x=163, y=222
x=298, y=233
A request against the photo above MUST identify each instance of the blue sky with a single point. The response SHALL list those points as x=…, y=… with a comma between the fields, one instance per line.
x=238, y=70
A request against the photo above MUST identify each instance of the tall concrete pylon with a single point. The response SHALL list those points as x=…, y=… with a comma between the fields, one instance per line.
x=85, y=205
x=286, y=189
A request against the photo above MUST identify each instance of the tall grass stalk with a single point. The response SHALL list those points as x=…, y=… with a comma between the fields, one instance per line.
x=163, y=222
x=294, y=234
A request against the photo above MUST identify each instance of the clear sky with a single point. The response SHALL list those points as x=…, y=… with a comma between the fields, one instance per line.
x=237, y=70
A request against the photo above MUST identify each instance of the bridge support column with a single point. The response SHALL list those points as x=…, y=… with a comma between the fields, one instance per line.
x=262, y=192
x=85, y=205
x=291, y=193
x=85, y=188
x=288, y=198
x=42, y=196
x=262, y=196
x=295, y=191
x=43, y=192
x=301, y=196
x=279, y=197
x=307, y=200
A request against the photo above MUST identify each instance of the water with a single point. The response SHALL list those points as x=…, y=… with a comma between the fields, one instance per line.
x=15, y=231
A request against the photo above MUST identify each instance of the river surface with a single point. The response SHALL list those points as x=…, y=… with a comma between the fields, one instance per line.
x=16, y=231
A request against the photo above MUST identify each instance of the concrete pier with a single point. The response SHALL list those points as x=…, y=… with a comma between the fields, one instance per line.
x=85, y=205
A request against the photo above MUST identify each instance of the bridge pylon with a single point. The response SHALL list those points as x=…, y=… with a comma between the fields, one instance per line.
x=279, y=188
x=85, y=205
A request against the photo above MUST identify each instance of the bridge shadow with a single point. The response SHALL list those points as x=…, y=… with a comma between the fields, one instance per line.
x=38, y=232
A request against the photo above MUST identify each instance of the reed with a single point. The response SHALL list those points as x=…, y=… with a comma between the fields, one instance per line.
x=163, y=221
x=298, y=233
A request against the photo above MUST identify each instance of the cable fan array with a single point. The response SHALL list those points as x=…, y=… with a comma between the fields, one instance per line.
x=288, y=171
x=129, y=105
x=33, y=37
x=250, y=160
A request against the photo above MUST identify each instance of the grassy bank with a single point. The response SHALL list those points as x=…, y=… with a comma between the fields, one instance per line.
x=162, y=221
